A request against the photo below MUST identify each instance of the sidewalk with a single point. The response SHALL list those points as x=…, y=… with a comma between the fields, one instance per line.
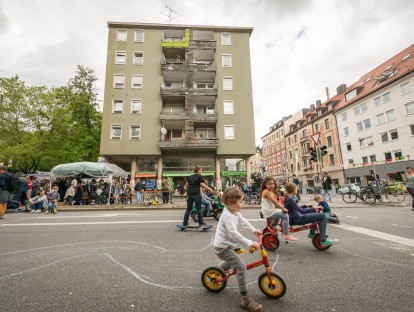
x=179, y=203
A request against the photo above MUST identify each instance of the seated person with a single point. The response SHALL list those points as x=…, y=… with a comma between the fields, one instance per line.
x=326, y=209
x=53, y=198
x=206, y=202
x=271, y=208
x=301, y=216
x=38, y=202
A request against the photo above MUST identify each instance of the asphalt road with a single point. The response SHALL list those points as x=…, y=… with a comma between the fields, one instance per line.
x=137, y=261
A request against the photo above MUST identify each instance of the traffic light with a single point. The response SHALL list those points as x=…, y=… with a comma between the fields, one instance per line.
x=323, y=150
x=314, y=157
x=263, y=169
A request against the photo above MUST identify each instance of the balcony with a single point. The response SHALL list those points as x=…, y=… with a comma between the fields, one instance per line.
x=207, y=66
x=199, y=144
x=305, y=139
x=176, y=38
x=204, y=117
x=164, y=116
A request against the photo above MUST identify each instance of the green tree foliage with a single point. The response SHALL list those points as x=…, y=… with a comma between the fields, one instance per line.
x=44, y=127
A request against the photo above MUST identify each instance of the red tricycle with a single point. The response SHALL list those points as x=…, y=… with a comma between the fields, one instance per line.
x=270, y=238
x=214, y=278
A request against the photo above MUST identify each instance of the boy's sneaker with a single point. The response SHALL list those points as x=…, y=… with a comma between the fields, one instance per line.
x=247, y=303
x=184, y=226
x=311, y=235
x=202, y=226
x=329, y=242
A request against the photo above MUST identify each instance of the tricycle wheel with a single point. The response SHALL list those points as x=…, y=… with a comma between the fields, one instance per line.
x=270, y=242
x=265, y=230
x=194, y=216
x=316, y=241
x=274, y=290
x=209, y=277
x=217, y=214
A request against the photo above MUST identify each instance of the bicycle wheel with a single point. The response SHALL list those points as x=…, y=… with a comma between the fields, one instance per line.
x=395, y=196
x=369, y=197
x=274, y=290
x=209, y=277
x=316, y=242
x=349, y=197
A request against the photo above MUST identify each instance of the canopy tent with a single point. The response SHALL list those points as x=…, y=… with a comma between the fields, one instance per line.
x=90, y=169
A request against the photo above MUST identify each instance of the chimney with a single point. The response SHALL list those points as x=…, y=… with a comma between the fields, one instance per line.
x=318, y=103
x=312, y=107
x=341, y=89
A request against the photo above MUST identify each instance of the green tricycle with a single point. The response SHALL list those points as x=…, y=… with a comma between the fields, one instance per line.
x=215, y=211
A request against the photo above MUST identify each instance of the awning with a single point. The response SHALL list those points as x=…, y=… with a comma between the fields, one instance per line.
x=175, y=174
x=145, y=175
x=233, y=173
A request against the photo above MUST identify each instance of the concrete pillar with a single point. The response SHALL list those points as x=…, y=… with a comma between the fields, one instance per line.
x=247, y=166
x=218, y=177
x=159, y=175
x=133, y=170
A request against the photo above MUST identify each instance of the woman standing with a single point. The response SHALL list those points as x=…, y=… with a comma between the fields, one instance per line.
x=408, y=178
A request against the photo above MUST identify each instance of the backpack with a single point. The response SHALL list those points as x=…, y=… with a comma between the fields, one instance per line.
x=13, y=183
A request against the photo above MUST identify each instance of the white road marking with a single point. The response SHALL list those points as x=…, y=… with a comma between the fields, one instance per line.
x=403, y=226
x=388, y=237
x=93, y=216
x=352, y=217
x=92, y=223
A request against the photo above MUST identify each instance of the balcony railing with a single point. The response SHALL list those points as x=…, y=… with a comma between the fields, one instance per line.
x=192, y=144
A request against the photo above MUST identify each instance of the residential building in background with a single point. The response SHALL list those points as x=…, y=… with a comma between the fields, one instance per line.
x=178, y=96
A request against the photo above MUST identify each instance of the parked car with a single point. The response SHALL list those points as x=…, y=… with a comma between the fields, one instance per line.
x=345, y=189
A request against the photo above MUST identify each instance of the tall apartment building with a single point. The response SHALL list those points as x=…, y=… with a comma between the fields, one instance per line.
x=177, y=96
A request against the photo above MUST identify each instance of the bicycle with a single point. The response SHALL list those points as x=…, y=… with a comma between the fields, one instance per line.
x=377, y=188
x=252, y=197
x=214, y=279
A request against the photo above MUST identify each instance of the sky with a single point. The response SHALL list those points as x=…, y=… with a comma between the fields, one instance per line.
x=298, y=47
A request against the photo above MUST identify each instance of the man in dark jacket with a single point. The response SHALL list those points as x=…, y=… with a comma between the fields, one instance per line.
x=326, y=186
x=139, y=188
x=23, y=191
x=5, y=190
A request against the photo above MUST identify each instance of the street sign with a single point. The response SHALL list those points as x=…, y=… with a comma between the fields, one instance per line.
x=315, y=137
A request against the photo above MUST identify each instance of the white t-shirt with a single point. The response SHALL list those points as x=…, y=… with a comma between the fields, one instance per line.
x=227, y=234
x=268, y=207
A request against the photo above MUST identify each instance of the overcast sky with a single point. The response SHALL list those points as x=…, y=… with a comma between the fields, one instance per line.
x=298, y=47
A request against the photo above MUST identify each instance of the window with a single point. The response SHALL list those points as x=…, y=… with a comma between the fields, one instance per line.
x=305, y=133
x=350, y=95
x=381, y=119
x=390, y=115
x=295, y=138
x=370, y=142
x=343, y=115
x=210, y=110
x=288, y=141
x=119, y=81
x=327, y=124
x=364, y=107
x=372, y=158
x=329, y=140
x=412, y=129
x=384, y=137
x=410, y=108
x=228, y=107
x=394, y=135
x=346, y=131
x=386, y=97
x=397, y=155
x=121, y=35
x=362, y=143
x=359, y=126
x=331, y=160
x=138, y=35
x=117, y=106
x=116, y=131
x=204, y=85
x=290, y=155
x=350, y=161
x=364, y=159
x=348, y=147
x=138, y=58
x=316, y=127
x=136, y=106
x=406, y=88
x=178, y=134
x=135, y=132
x=377, y=102
x=120, y=57
x=227, y=83
x=388, y=156
x=137, y=81
x=357, y=110
x=229, y=132
x=225, y=39
x=226, y=59
x=319, y=113
x=406, y=57
x=329, y=107
x=367, y=124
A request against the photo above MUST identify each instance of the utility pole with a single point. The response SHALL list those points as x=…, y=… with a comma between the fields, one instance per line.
x=170, y=14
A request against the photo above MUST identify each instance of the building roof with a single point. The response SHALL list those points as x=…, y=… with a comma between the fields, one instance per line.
x=180, y=26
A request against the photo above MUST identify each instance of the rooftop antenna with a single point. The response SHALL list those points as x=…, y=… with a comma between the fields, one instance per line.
x=170, y=14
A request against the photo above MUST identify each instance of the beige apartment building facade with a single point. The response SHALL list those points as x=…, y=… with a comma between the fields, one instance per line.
x=177, y=96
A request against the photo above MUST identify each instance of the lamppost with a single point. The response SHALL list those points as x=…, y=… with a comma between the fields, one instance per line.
x=285, y=160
